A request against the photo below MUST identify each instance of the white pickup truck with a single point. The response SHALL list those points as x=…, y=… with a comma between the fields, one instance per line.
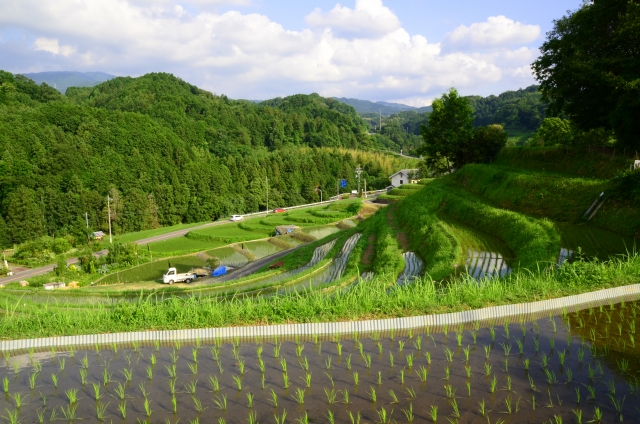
x=172, y=276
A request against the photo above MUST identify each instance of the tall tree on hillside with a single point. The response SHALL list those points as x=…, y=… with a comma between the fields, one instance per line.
x=4, y=234
x=448, y=131
x=589, y=68
x=24, y=216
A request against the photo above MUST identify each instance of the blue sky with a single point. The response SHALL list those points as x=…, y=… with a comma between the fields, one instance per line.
x=408, y=51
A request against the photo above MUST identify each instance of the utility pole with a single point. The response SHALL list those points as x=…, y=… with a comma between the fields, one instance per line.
x=267, y=179
x=358, y=172
x=365, y=188
x=86, y=218
x=109, y=212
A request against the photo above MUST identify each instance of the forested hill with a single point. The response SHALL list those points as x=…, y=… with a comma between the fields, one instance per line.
x=225, y=126
x=165, y=152
x=521, y=109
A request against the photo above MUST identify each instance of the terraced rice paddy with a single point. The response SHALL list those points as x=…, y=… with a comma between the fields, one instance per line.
x=413, y=268
x=229, y=257
x=480, y=265
x=334, y=271
x=321, y=231
x=577, y=368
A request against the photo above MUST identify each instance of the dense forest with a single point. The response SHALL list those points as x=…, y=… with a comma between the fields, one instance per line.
x=520, y=111
x=165, y=152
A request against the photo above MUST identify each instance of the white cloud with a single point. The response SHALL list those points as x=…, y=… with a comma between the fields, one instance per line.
x=497, y=31
x=369, y=18
x=51, y=45
x=251, y=56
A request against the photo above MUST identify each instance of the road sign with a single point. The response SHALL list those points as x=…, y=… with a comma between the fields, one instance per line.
x=343, y=183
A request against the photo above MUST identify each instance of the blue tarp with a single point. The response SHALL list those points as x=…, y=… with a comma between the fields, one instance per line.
x=221, y=270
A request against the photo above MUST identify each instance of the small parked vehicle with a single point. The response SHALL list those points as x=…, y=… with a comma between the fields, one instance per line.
x=237, y=217
x=278, y=210
x=172, y=276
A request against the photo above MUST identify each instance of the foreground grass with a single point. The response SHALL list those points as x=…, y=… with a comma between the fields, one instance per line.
x=366, y=300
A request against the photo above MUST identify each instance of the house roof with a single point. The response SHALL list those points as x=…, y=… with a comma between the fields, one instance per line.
x=98, y=234
x=403, y=171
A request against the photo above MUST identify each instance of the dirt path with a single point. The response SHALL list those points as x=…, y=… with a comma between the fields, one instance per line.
x=369, y=253
x=393, y=223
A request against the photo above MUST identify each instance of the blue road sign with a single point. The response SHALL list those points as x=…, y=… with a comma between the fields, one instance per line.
x=343, y=183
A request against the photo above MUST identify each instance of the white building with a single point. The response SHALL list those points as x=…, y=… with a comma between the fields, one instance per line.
x=403, y=176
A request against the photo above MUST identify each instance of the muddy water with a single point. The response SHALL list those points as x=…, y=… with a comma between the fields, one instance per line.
x=547, y=395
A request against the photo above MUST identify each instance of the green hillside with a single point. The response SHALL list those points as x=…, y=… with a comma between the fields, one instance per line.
x=166, y=152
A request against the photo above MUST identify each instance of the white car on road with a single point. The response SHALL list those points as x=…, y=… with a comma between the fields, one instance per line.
x=237, y=217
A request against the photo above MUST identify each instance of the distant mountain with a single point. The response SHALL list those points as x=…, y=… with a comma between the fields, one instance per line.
x=64, y=79
x=384, y=108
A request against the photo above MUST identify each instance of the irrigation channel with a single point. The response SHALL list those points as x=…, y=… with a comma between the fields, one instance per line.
x=580, y=367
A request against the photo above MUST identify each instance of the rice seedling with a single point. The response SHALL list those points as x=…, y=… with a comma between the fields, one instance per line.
x=623, y=365
x=454, y=405
x=536, y=344
x=281, y=419
x=32, y=380
x=448, y=354
x=61, y=363
x=520, y=346
x=330, y=378
x=172, y=371
x=384, y=417
x=241, y=366
x=474, y=335
x=494, y=383
x=487, y=370
x=402, y=375
x=54, y=380
x=114, y=347
x=427, y=356
x=286, y=384
x=552, y=343
x=409, y=359
x=349, y=362
x=339, y=348
x=526, y=364
x=299, y=349
x=147, y=408
x=120, y=391
x=577, y=395
x=551, y=377
x=591, y=392
x=492, y=331
x=128, y=374
x=379, y=378
x=487, y=351
x=149, y=373
x=468, y=370
x=96, y=391
x=174, y=403
x=327, y=362
x=393, y=396
x=544, y=360
x=54, y=415
x=69, y=412
x=433, y=414
x=5, y=384
x=411, y=392
x=18, y=400
x=43, y=398
x=122, y=407
x=345, y=396
x=597, y=415
x=569, y=373
x=578, y=413
x=127, y=358
x=356, y=378
x=611, y=387
x=106, y=376
x=507, y=348
x=417, y=343
x=422, y=374
x=221, y=402
x=298, y=396
x=466, y=353
x=372, y=394
x=447, y=372
x=174, y=356
x=354, y=420
x=511, y=408
x=304, y=364
x=238, y=381
x=84, y=362
x=302, y=420
x=41, y=415
x=83, y=376
x=172, y=386
x=191, y=387
x=379, y=345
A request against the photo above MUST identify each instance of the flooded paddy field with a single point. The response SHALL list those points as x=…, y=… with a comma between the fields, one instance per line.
x=577, y=368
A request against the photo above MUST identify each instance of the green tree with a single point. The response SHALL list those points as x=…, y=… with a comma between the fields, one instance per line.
x=589, y=68
x=555, y=131
x=4, y=234
x=24, y=217
x=448, y=131
x=485, y=144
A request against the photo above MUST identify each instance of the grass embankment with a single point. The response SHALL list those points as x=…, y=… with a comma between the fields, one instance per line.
x=562, y=199
x=367, y=300
x=566, y=161
x=534, y=242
